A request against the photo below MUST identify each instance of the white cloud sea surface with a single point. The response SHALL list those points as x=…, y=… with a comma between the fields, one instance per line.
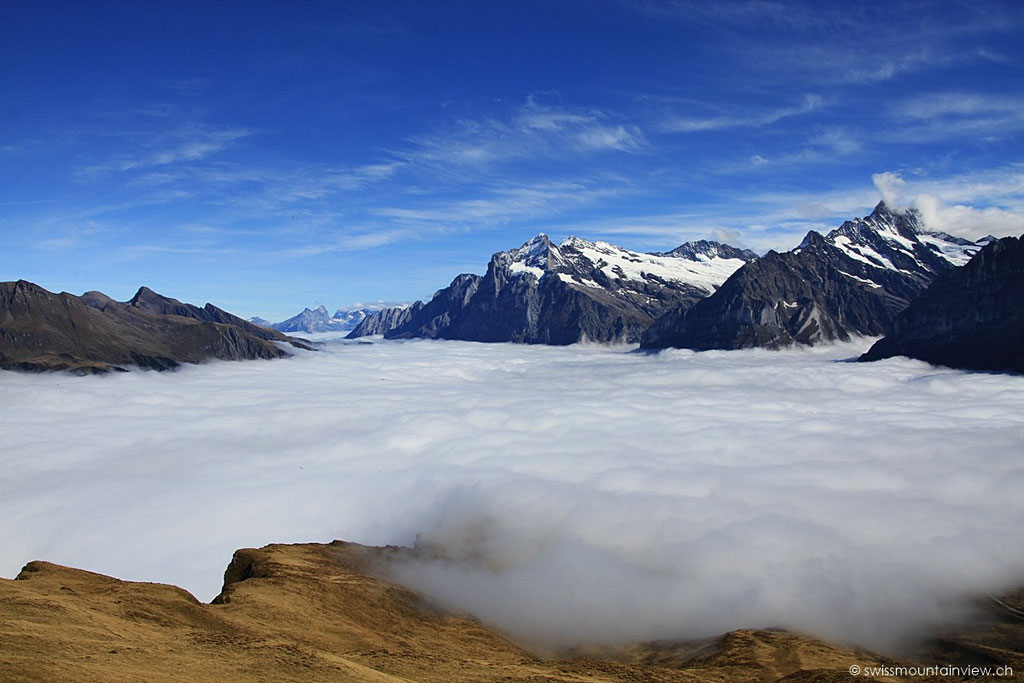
x=595, y=495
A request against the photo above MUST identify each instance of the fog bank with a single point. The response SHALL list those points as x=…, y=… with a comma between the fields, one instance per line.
x=580, y=494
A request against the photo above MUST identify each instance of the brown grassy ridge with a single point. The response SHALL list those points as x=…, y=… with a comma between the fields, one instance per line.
x=316, y=612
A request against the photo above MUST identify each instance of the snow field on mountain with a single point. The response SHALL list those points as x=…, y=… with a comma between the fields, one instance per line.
x=582, y=493
x=704, y=272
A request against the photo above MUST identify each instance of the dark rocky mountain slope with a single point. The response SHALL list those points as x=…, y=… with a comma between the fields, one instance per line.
x=543, y=293
x=970, y=317
x=384, y=320
x=852, y=281
x=40, y=330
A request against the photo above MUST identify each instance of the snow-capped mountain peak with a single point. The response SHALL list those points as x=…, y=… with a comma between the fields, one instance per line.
x=536, y=257
x=580, y=262
x=888, y=240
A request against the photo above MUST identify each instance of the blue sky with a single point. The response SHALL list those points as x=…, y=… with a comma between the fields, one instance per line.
x=269, y=156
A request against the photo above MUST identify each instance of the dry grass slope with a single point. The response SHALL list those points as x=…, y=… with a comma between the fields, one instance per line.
x=316, y=613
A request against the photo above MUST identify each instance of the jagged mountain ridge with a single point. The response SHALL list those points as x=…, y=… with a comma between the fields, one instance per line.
x=543, y=293
x=40, y=330
x=970, y=317
x=313, y=320
x=852, y=281
x=387, y=318
x=709, y=249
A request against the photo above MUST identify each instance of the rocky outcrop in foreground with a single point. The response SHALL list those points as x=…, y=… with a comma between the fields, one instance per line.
x=40, y=331
x=971, y=317
x=316, y=613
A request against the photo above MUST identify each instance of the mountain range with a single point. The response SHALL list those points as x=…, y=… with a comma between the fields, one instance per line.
x=855, y=280
x=578, y=290
x=40, y=330
x=852, y=281
x=700, y=295
x=313, y=320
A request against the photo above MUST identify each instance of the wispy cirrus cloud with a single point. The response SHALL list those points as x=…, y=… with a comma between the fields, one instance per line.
x=745, y=119
x=532, y=130
x=867, y=42
x=829, y=146
x=941, y=115
x=191, y=143
x=501, y=204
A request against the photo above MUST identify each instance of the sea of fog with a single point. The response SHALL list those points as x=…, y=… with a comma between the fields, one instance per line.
x=582, y=494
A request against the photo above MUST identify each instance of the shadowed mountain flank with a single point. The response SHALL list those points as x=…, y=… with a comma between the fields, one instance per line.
x=970, y=317
x=40, y=331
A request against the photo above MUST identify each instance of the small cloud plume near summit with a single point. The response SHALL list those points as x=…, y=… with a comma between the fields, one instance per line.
x=956, y=218
x=726, y=236
x=892, y=187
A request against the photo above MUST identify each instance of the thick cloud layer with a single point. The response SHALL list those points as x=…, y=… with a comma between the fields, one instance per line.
x=579, y=494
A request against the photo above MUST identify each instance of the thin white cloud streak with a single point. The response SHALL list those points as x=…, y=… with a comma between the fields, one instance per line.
x=504, y=203
x=869, y=43
x=531, y=131
x=262, y=188
x=351, y=240
x=949, y=115
x=188, y=144
x=683, y=124
x=606, y=496
x=828, y=147
x=831, y=66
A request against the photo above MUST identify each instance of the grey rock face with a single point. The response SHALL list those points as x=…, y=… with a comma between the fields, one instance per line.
x=970, y=317
x=852, y=281
x=384, y=320
x=579, y=290
x=432, y=319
